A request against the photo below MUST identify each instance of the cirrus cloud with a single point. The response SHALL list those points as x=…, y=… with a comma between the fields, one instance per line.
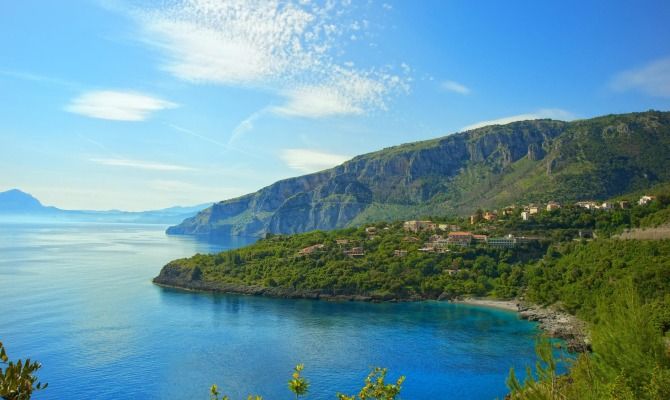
x=140, y=164
x=652, y=79
x=289, y=48
x=117, y=105
x=231, y=42
x=453, y=86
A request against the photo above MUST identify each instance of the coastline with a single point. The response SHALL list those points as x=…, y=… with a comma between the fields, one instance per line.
x=553, y=322
x=507, y=305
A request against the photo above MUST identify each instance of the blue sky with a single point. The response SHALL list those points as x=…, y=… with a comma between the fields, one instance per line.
x=147, y=104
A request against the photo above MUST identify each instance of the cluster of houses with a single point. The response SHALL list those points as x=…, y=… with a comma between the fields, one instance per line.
x=436, y=244
x=429, y=226
x=343, y=243
x=355, y=251
x=531, y=209
x=439, y=243
x=457, y=238
x=623, y=204
x=311, y=249
x=526, y=213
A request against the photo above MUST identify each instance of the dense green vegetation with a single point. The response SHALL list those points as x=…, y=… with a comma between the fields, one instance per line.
x=630, y=359
x=578, y=274
x=17, y=378
x=543, y=266
x=275, y=262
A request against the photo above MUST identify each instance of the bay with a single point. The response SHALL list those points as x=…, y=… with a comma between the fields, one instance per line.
x=79, y=299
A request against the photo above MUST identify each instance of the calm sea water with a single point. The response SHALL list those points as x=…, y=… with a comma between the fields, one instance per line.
x=79, y=299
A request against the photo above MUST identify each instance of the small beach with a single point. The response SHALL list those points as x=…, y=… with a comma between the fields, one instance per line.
x=508, y=305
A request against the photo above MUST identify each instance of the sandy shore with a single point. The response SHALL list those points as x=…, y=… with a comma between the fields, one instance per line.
x=509, y=305
x=554, y=323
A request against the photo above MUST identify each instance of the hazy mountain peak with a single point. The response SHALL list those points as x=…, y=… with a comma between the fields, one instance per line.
x=15, y=200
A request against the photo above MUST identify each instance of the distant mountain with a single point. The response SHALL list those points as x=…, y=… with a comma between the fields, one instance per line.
x=18, y=205
x=183, y=210
x=487, y=167
x=17, y=202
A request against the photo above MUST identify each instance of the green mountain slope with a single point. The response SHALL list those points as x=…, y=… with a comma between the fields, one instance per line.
x=488, y=167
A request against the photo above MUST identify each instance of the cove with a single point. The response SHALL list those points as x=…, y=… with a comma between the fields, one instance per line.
x=79, y=298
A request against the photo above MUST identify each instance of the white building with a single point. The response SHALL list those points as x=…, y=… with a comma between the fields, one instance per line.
x=644, y=200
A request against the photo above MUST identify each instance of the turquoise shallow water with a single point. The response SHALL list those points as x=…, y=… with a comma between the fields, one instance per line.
x=79, y=299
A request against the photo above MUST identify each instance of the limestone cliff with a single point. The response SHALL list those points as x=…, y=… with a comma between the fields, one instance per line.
x=487, y=167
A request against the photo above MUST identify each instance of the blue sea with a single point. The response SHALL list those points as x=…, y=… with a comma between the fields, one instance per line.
x=79, y=299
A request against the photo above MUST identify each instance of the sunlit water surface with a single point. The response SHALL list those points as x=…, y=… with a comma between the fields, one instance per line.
x=79, y=298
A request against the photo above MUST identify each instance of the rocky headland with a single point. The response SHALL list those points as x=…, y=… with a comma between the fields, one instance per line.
x=173, y=276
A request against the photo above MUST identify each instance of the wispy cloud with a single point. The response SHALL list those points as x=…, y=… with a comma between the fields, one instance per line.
x=317, y=101
x=453, y=86
x=287, y=47
x=307, y=160
x=140, y=164
x=652, y=79
x=245, y=126
x=551, y=113
x=344, y=93
x=32, y=77
x=229, y=42
x=117, y=105
x=196, y=135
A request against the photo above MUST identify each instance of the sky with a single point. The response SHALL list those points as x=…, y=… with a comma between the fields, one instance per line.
x=137, y=105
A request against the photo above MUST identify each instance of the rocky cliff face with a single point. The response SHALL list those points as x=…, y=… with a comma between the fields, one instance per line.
x=457, y=173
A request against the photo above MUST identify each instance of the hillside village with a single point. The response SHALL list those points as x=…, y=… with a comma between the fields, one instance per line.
x=449, y=236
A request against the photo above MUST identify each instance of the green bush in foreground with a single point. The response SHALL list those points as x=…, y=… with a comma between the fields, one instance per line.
x=298, y=384
x=375, y=387
x=630, y=359
x=17, y=379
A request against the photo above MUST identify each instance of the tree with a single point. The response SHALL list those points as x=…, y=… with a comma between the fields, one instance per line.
x=17, y=379
x=298, y=384
x=214, y=395
x=629, y=359
x=544, y=384
x=376, y=388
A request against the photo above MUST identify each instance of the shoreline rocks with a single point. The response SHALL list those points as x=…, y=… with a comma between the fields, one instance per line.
x=558, y=324
x=555, y=323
